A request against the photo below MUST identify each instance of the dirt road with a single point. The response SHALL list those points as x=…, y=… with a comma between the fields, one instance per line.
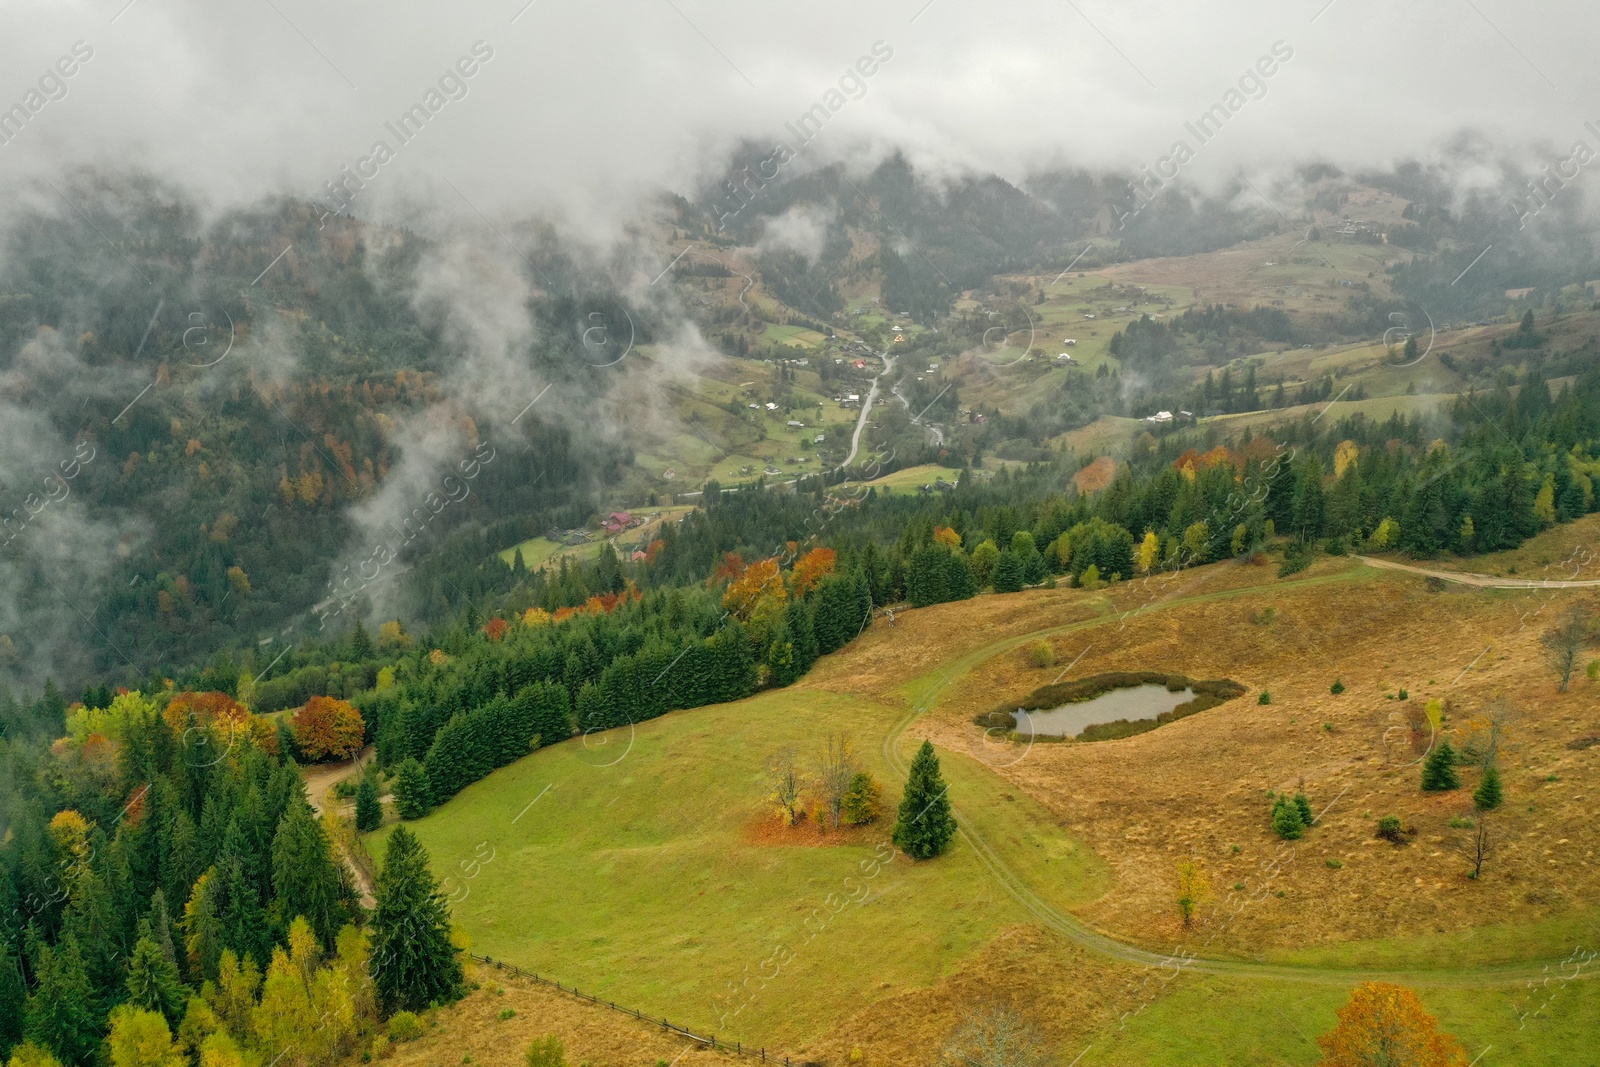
x=1483, y=581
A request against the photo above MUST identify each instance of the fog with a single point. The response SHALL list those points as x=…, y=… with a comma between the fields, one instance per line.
x=578, y=110
x=482, y=123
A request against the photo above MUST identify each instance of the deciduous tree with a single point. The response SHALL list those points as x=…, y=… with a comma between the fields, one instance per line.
x=785, y=778
x=1563, y=646
x=328, y=729
x=141, y=1038
x=1385, y=1025
x=836, y=769
x=1194, y=889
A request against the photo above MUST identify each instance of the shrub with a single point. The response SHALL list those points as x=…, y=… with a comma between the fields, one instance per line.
x=1337, y=687
x=345, y=789
x=860, y=802
x=1040, y=654
x=1295, y=560
x=404, y=1026
x=1461, y=822
x=1489, y=794
x=380, y=1046
x=1439, y=769
x=1389, y=828
x=1334, y=864
x=1403, y=695
x=507, y=1013
x=1593, y=670
x=1287, y=822
x=547, y=1051
x=1264, y=698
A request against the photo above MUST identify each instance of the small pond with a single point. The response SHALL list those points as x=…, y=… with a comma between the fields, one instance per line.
x=1132, y=703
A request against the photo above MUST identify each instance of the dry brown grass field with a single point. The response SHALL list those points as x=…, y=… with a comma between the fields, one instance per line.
x=1199, y=787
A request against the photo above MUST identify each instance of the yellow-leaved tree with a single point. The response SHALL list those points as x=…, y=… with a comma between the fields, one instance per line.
x=140, y=1038
x=1149, y=552
x=1385, y=1024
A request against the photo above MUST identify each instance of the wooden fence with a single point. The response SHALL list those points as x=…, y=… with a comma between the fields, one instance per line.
x=708, y=1041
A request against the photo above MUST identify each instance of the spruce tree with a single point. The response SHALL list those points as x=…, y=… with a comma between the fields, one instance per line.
x=412, y=792
x=924, y=826
x=61, y=1014
x=1303, y=805
x=1489, y=794
x=242, y=919
x=963, y=585
x=13, y=996
x=1009, y=573
x=1287, y=822
x=153, y=982
x=414, y=963
x=1439, y=769
x=797, y=620
x=369, y=807
x=360, y=644
x=305, y=879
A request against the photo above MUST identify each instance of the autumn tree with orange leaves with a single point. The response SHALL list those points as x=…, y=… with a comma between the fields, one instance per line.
x=1385, y=1025
x=810, y=569
x=327, y=728
x=757, y=592
x=209, y=709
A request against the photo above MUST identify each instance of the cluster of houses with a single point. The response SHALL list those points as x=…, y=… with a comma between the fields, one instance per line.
x=1362, y=228
x=618, y=521
x=937, y=485
x=1162, y=417
x=568, y=537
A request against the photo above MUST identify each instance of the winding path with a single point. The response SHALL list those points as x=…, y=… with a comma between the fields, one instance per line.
x=1482, y=581
x=1494, y=975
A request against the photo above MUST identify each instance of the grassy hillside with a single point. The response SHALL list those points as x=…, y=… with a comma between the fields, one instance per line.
x=636, y=862
x=639, y=872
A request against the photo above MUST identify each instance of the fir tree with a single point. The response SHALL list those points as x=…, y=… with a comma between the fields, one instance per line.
x=797, y=620
x=242, y=919
x=369, y=807
x=153, y=982
x=414, y=963
x=1439, y=769
x=1489, y=794
x=1009, y=573
x=202, y=927
x=1303, y=805
x=360, y=644
x=1287, y=822
x=305, y=879
x=61, y=1015
x=13, y=996
x=924, y=826
x=412, y=792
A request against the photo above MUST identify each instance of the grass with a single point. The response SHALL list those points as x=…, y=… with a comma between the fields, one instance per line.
x=639, y=881
x=909, y=479
x=1244, y=1023
x=639, y=877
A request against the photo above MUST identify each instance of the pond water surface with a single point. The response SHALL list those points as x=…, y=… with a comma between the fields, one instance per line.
x=1132, y=703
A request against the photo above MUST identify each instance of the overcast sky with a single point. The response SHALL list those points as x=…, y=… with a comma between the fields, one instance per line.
x=584, y=104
